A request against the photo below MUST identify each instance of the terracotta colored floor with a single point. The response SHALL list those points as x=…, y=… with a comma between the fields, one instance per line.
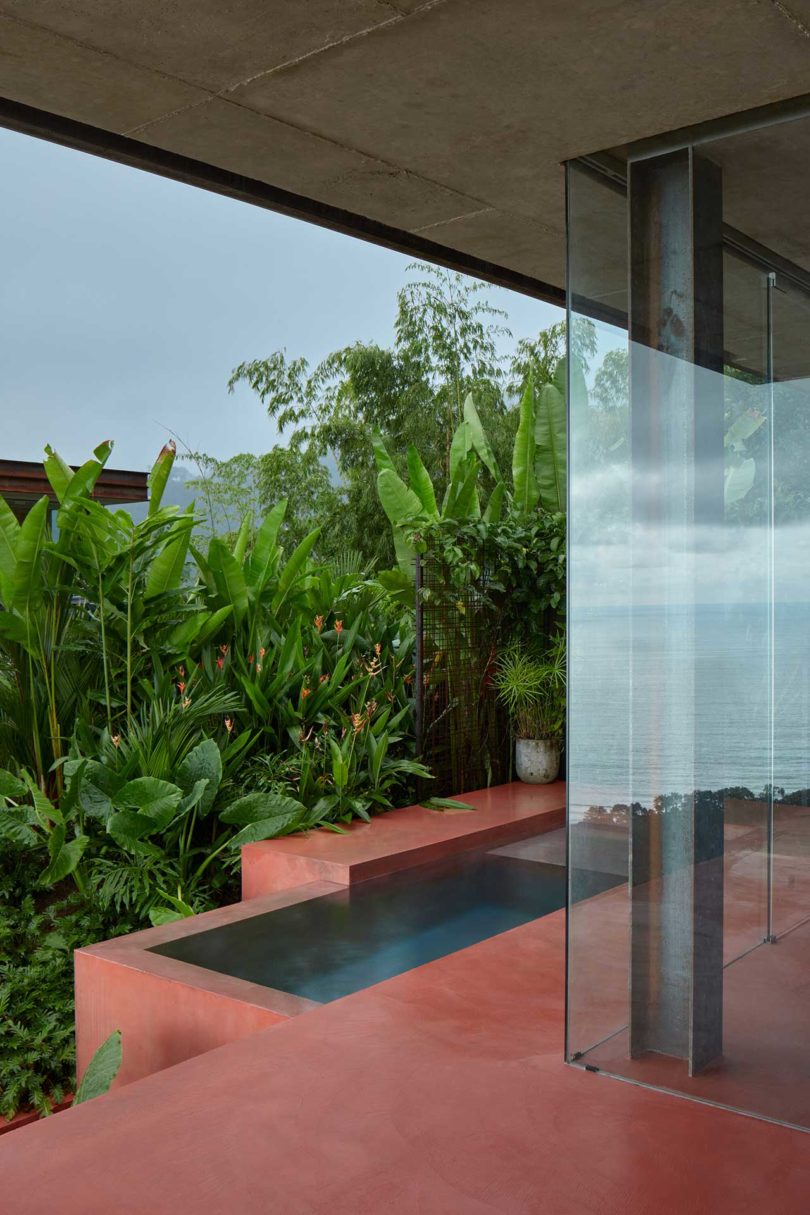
x=439, y=1092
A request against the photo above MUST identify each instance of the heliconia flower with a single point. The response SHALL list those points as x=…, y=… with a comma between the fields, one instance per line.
x=220, y=663
x=181, y=671
x=229, y=724
x=262, y=652
x=378, y=649
x=250, y=660
x=338, y=627
x=186, y=701
x=115, y=739
x=181, y=687
x=258, y=666
x=319, y=623
x=371, y=709
x=305, y=692
x=358, y=721
x=223, y=649
x=324, y=678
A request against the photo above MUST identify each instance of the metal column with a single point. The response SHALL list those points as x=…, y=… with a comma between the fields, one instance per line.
x=676, y=344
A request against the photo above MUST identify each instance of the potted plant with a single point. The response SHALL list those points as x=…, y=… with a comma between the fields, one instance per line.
x=530, y=682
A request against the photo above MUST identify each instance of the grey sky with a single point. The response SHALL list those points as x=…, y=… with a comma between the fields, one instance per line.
x=126, y=300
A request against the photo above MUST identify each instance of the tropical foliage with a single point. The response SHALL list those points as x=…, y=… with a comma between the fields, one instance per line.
x=177, y=685
x=530, y=681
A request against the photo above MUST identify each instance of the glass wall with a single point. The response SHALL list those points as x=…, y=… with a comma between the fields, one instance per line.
x=689, y=624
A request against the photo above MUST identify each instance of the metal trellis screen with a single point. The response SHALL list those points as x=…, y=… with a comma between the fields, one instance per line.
x=462, y=731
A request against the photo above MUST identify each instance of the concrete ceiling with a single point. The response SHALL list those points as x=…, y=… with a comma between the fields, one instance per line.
x=448, y=119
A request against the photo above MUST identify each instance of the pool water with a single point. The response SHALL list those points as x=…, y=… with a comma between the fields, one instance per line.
x=330, y=946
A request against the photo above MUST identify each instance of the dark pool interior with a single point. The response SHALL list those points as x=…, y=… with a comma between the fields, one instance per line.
x=330, y=946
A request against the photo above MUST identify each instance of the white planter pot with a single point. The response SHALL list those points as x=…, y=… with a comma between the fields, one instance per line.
x=537, y=760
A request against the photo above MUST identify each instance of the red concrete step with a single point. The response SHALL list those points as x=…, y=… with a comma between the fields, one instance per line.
x=400, y=839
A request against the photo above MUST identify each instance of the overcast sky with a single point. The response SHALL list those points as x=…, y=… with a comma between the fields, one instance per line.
x=126, y=300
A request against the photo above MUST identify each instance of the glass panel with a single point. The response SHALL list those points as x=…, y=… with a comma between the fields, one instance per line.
x=689, y=619
x=791, y=513
x=599, y=781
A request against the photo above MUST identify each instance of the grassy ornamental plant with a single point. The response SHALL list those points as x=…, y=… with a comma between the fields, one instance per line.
x=531, y=685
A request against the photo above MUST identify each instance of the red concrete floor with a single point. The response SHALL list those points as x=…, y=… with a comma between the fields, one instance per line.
x=439, y=1092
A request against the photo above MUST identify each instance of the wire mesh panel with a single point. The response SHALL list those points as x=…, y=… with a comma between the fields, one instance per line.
x=462, y=732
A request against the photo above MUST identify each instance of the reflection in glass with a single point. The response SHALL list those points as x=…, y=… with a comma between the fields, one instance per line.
x=689, y=640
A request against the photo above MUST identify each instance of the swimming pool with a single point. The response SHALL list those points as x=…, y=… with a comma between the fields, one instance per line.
x=327, y=947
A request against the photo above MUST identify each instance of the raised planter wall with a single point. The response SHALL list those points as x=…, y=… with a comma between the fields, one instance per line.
x=169, y=1010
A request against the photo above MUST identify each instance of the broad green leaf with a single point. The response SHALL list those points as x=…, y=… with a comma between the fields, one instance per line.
x=129, y=829
x=264, y=558
x=293, y=568
x=204, y=762
x=159, y=476
x=265, y=829
x=65, y=855
x=9, y=531
x=256, y=806
x=15, y=629
x=398, y=586
x=166, y=570
x=155, y=798
x=381, y=453
x=213, y=624
x=47, y=813
x=421, y=483
x=492, y=514
x=27, y=581
x=241, y=542
x=165, y=915
x=101, y=1070
x=229, y=578
x=399, y=502
x=83, y=481
x=480, y=440
x=526, y=493
x=462, y=501
x=11, y=786
x=94, y=802
x=194, y=796
x=550, y=454
x=460, y=448
x=59, y=473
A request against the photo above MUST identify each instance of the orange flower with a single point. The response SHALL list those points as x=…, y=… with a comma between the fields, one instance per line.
x=181, y=687
x=324, y=678
x=338, y=627
x=378, y=649
x=223, y=649
x=262, y=652
x=220, y=663
x=250, y=660
x=319, y=623
x=305, y=692
x=358, y=721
